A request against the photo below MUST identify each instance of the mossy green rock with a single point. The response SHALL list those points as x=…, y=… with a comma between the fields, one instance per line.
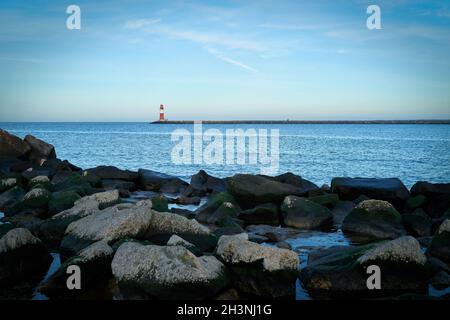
x=7, y=183
x=62, y=200
x=160, y=203
x=36, y=198
x=416, y=202
x=305, y=214
x=440, y=244
x=214, y=203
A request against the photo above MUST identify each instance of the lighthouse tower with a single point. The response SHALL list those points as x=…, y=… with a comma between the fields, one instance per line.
x=161, y=113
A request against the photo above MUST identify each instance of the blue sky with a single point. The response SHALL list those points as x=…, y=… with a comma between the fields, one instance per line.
x=224, y=60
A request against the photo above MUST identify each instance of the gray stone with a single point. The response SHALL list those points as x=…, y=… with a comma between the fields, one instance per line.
x=168, y=272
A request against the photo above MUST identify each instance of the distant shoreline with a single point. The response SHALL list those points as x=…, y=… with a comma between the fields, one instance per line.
x=305, y=122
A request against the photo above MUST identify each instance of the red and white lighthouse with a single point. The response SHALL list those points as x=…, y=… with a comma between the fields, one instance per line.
x=161, y=113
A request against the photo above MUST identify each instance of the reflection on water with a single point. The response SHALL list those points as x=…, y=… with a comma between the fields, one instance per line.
x=51, y=270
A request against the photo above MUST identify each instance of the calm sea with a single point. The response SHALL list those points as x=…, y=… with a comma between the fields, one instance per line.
x=317, y=152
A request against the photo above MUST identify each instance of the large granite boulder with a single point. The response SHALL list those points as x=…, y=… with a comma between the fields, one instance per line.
x=341, y=272
x=167, y=272
x=23, y=257
x=388, y=189
x=440, y=244
x=252, y=190
x=164, y=224
x=259, y=270
x=12, y=147
x=436, y=194
x=266, y=213
x=40, y=150
x=305, y=214
x=35, y=198
x=374, y=220
x=111, y=172
x=95, y=265
x=109, y=225
x=156, y=181
x=52, y=230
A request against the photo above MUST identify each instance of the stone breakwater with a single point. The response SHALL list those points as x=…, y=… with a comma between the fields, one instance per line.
x=232, y=246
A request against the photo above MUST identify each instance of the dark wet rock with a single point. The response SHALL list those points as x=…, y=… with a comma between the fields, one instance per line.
x=4, y=228
x=360, y=199
x=341, y=271
x=415, y=202
x=436, y=265
x=341, y=210
x=284, y=245
x=441, y=280
x=203, y=184
x=31, y=173
x=40, y=149
x=438, y=195
x=182, y=200
x=95, y=266
x=18, y=166
x=12, y=147
x=418, y=223
x=111, y=172
x=23, y=257
x=262, y=214
x=388, y=189
x=58, y=165
x=252, y=190
x=168, y=272
x=228, y=231
x=274, y=234
x=327, y=200
x=8, y=199
x=440, y=244
x=305, y=214
x=115, y=184
x=229, y=295
x=218, y=217
x=374, y=219
x=109, y=225
x=259, y=270
x=61, y=201
x=183, y=212
x=156, y=181
x=160, y=203
x=294, y=180
x=52, y=230
x=257, y=238
x=27, y=219
x=214, y=202
x=7, y=183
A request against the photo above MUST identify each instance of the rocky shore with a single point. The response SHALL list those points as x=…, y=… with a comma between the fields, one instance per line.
x=234, y=245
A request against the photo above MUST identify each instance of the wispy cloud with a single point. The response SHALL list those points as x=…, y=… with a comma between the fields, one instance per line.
x=204, y=38
x=229, y=60
x=292, y=27
x=21, y=60
x=140, y=23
